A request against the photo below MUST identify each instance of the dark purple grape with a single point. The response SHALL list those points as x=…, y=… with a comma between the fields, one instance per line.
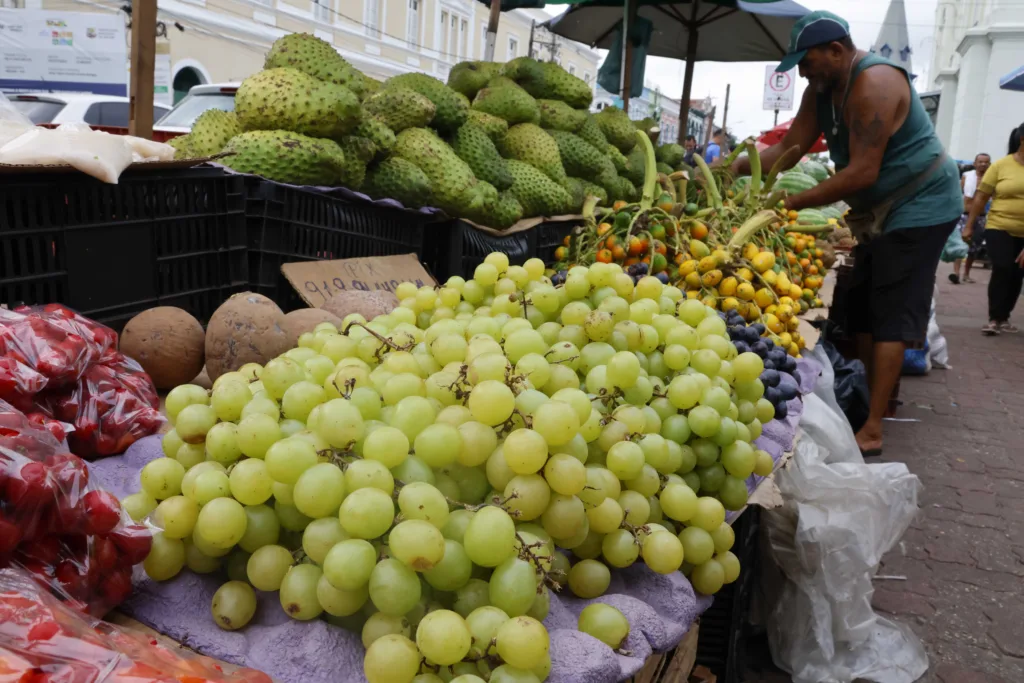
x=790, y=365
x=759, y=328
x=741, y=346
x=663, y=276
x=772, y=395
x=770, y=378
x=759, y=347
x=781, y=410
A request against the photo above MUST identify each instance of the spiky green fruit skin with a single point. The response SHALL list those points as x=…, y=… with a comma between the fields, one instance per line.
x=538, y=194
x=513, y=104
x=635, y=165
x=559, y=84
x=212, y=130
x=375, y=130
x=503, y=82
x=492, y=125
x=316, y=58
x=183, y=148
x=664, y=168
x=359, y=152
x=626, y=190
x=617, y=127
x=397, y=178
x=287, y=99
x=501, y=214
x=451, y=178
x=579, y=158
x=557, y=115
x=530, y=143
x=400, y=108
x=671, y=154
x=450, y=109
x=591, y=132
x=617, y=158
x=577, y=192
x=474, y=147
x=527, y=72
x=286, y=157
x=646, y=124
x=469, y=78
x=591, y=189
x=369, y=87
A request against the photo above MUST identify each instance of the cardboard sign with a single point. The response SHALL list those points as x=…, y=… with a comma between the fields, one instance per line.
x=318, y=281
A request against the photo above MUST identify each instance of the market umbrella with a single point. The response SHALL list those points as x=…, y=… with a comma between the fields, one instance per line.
x=728, y=30
x=774, y=136
x=1013, y=80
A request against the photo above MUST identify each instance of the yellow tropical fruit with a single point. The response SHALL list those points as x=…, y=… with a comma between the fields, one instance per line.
x=692, y=294
x=762, y=262
x=707, y=263
x=710, y=302
x=692, y=280
x=773, y=324
x=730, y=303
x=721, y=256
x=792, y=324
x=769, y=277
x=807, y=294
x=795, y=292
x=698, y=249
x=771, y=309
x=784, y=312
x=793, y=350
x=751, y=312
x=711, y=278
x=729, y=286
x=688, y=266
x=750, y=251
x=785, y=339
x=783, y=300
x=745, y=274
x=764, y=298
x=745, y=291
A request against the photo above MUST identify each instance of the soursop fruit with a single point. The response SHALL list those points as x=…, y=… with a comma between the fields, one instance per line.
x=374, y=130
x=451, y=179
x=212, y=130
x=527, y=72
x=288, y=99
x=617, y=127
x=559, y=84
x=474, y=147
x=579, y=158
x=591, y=132
x=469, y=78
x=590, y=189
x=664, y=168
x=626, y=190
x=397, y=178
x=557, y=115
x=528, y=142
x=538, y=194
x=577, y=192
x=492, y=125
x=500, y=214
x=359, y=152
x=647, y=125
x=369, y=87
x=618, y=159
x=635, y=166
x=671, y=154
x=286, y=157
x=316, y=58
x=513, y=104
x=400, y=108
x=183, y=149
x=503, y=82
x=450, y=109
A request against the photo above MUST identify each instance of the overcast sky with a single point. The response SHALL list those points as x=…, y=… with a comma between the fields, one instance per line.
x=746, y=116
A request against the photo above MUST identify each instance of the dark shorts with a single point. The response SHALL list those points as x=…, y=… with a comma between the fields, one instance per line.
x=893, y=281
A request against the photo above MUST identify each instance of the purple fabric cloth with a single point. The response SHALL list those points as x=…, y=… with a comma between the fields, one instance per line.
x=660, y=608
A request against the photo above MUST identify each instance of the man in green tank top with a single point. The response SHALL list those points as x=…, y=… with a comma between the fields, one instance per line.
x=892, y=170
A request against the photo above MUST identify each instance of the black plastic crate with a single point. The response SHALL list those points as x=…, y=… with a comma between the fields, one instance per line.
x=173, y=238
x=288, y=224
x=464, y=247
x=724, y=627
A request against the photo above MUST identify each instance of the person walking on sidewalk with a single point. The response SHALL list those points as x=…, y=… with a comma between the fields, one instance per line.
x=903, y=190
x=969, y=184
x=1003, y=183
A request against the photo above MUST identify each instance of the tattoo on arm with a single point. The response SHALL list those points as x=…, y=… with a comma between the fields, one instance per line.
x=870, y=133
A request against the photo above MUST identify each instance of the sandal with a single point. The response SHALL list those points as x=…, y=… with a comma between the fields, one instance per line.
x=968, y=280
x=1006, y=326
x=990, y=329
x=954, y=278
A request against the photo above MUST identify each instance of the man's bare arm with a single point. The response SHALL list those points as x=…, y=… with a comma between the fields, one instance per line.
x=871, y=115
x=803, y=133
x=978, y=203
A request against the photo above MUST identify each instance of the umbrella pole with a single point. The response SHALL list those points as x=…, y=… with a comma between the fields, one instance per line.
x=628, y=18
x=691, y=58
x=492, y=30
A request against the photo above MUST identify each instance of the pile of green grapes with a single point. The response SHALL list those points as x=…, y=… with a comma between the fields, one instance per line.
x=413, y=477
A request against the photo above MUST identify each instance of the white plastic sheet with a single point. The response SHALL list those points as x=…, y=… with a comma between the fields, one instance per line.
x=937, y=347
x=823, y=547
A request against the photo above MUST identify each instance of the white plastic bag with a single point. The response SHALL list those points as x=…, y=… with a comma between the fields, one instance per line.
x=12, y=122
x=937, y=347
x=822, y=549
x=101, y=155
x=148, y=150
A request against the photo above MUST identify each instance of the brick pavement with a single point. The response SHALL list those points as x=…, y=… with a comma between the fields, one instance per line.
x=963, y=557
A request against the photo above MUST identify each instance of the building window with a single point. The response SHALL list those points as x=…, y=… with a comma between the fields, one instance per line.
x=442, y=44
x=371, y=18
x=572, y=69
x=412, y=24
x=513, y=49
x=587, y=77
x=322, y=10
x=483, y=40
x=463, y=38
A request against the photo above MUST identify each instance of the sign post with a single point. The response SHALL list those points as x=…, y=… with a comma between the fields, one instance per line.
x=779, y=90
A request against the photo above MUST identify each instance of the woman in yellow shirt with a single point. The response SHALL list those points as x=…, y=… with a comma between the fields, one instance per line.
x=1004, y=184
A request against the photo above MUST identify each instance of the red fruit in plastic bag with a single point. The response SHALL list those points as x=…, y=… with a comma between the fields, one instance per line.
x=70, y=473
x=104, y=554
x=70, y=577
x=117, y=586
x=134, y=542
x=10, y=535
x=30, y=487
x=46, y=549
x=102, y=512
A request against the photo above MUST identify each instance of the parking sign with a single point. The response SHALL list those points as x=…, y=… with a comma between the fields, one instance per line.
x=779, y=89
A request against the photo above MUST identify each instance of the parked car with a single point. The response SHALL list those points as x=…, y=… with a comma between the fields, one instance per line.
x=199, y=99
x=95, y=110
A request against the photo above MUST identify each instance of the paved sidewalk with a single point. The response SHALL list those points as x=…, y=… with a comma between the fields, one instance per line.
x=963, y=558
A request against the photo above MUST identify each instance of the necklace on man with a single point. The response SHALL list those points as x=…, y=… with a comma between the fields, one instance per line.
x=835, y=119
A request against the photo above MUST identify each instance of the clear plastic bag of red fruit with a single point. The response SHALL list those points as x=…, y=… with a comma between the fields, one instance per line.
x=65, y=367
x=69, y=535
x=43, y=641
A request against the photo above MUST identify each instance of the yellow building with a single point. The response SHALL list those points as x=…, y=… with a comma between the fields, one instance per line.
x=219, y=41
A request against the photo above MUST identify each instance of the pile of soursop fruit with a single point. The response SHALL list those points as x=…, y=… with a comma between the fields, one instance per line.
x=498, y=143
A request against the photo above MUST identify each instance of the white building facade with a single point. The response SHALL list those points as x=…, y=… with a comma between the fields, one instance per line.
x=976, y=43
x=221, y=41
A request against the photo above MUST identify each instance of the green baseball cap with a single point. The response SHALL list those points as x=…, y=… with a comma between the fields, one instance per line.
x=817, y=28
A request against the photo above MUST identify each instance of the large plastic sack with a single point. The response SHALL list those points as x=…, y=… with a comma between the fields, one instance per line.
x=850, y=385
x=68, y=534
x=42, y=640
x=937, y=347
x=101, y=155
x=822, y=549
x=917, y=361
x=955, y=247
x=149, y=150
